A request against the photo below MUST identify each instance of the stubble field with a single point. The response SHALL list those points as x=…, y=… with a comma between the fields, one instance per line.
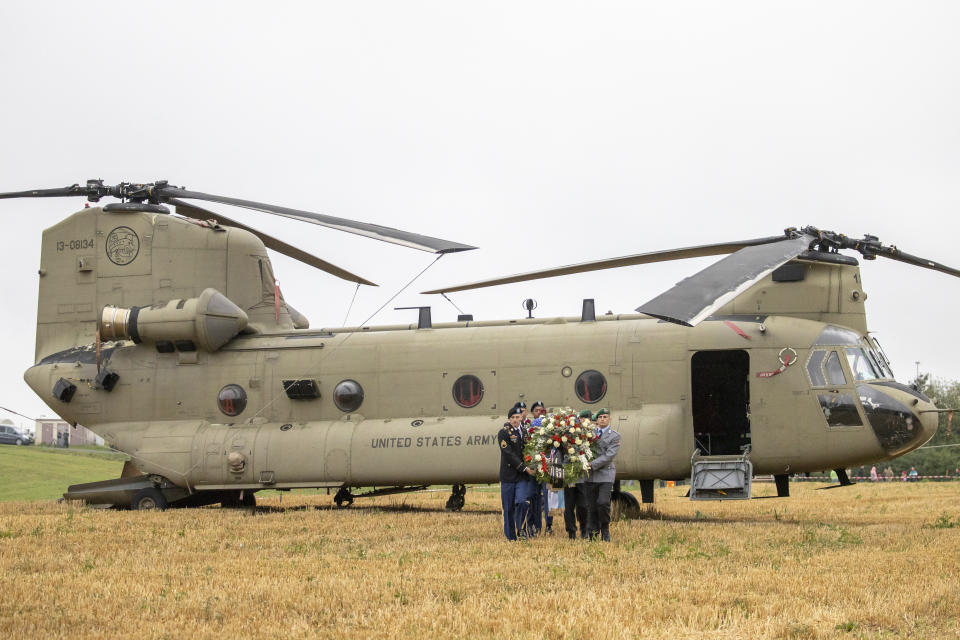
x=874, y=560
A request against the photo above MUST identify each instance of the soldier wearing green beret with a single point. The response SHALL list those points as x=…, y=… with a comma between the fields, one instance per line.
x=603, y=473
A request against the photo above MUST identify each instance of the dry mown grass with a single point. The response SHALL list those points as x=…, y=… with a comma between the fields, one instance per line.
x=866, y=561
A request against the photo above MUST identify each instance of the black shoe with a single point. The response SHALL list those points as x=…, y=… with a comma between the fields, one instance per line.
x=572, y=536
x=549, y=531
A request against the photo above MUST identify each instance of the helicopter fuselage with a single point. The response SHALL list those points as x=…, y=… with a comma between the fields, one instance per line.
x=783, y=388
x=170, y=339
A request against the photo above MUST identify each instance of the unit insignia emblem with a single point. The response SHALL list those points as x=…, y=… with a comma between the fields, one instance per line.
x=123, y=246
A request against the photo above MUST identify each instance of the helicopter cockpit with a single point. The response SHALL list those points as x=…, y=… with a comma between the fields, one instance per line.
x=866, y=389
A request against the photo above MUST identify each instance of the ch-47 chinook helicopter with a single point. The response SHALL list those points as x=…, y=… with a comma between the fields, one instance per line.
x=166, y=335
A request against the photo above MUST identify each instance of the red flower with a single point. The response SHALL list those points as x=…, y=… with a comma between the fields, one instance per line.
x=527, y=458
x=530, y=430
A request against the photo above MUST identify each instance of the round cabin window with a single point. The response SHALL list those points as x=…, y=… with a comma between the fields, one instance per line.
x=232, y=400
x=468, y=391
x=591, y=386
x=348, y=395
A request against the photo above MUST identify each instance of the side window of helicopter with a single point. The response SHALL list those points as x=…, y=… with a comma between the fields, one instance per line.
x=348, y=395
x=834, y=370
x=232, y=400
x=860, y=365
x=590, y=386
x=468, y=391
x=840, y=410
x=815, y=368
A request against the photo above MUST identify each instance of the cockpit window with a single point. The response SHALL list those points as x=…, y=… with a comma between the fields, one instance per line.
x=840, y=409
x=877, y=366
x=835, y=370
x=838, y=336
x=883, y=359
x=861, y=366
x=815, y=368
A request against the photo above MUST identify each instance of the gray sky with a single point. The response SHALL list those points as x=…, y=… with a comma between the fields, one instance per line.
x=545, y=133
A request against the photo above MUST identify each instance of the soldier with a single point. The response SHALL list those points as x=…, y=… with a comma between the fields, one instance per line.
x=603, y=473
x=515, y=477
x=541, y=501
x=574, y=502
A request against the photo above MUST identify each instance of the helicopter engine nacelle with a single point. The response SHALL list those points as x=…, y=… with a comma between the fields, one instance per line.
x=209, y=321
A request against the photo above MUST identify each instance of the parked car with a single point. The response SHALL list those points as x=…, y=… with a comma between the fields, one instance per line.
x=10, y=435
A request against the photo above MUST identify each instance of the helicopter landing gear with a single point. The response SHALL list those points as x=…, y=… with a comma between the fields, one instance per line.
x=239, y=500
x=149, y=498
x=623, y=505
x=343, y=498
x=457, y=498
x=646, y=491
x=783, y=485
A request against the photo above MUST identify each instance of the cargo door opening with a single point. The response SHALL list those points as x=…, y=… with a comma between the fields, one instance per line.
x=720, y=384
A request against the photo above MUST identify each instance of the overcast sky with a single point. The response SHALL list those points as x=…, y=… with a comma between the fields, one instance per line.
x=543, y=133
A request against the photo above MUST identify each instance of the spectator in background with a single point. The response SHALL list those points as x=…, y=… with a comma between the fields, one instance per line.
x=873, y=474
x=914, y=476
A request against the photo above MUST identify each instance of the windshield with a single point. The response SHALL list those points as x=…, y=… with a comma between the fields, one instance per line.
x=882, y=358
x=862, y=367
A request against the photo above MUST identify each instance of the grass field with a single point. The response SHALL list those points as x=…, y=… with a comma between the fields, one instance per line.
x=862, y=562
x=44, y=473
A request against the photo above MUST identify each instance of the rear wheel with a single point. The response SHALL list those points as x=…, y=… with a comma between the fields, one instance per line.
x=149, y=498
x=623, y=505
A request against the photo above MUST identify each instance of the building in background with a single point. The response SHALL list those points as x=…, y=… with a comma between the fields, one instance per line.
x=54, y=432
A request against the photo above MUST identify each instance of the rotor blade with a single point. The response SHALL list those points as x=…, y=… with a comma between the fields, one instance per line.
x=613, y=263
x=62, y=192
x=895, y=254
x=198, y=213
x=378, y=232
x=698, y=296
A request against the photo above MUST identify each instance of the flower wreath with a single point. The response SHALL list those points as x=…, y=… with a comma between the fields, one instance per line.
x=560, y=447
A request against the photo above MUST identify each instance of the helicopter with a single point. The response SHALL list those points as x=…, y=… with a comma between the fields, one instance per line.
x=167, y=335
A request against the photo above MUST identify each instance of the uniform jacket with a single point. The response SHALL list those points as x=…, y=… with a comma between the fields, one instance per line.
x=602, y=468
x=511, y=454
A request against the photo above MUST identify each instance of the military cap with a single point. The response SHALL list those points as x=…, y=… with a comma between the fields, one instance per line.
x=515, y=411
x=601, y=412
x=585, y=414
x=537, y=404
x=520, y=405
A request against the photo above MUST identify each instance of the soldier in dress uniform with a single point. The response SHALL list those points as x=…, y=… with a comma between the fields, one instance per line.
x=603, y=473
x=516, y=479
x=575, y=503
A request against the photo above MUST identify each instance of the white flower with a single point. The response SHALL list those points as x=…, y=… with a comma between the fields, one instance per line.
x=578, y=441
x=563, y=439
x=542, y=432
x=570, y=450
x=538, y=458
x=556, y=444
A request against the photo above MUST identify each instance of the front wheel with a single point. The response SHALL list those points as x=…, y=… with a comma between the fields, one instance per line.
x=19, y=442
x=149, y=498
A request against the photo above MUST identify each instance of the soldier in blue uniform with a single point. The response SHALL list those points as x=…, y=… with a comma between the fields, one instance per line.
x=516, y=480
